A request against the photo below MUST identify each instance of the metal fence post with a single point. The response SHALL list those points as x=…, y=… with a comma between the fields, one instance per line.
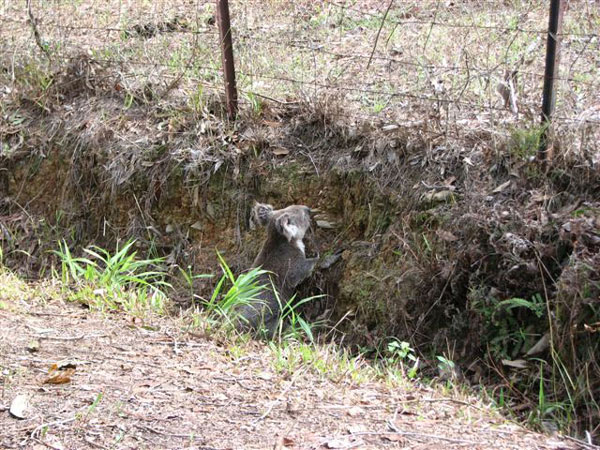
x=224, y=24
x=557, y=8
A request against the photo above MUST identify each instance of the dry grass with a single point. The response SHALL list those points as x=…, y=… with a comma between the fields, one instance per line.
x=441, y=67
x=152, y=385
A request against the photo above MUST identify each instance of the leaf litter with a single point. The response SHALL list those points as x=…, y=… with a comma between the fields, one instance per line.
x=131, y=389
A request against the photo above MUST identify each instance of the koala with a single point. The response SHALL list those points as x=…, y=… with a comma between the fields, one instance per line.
x=282, y=255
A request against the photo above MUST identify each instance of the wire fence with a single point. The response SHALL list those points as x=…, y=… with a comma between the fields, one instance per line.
x=471, y=63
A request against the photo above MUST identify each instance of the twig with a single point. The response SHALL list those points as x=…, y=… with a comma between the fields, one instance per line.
x=61, y=338
x=584, y=444
x=36, y=33
x=180, y=344
x=379, y=32
x=285, y=391
x=397, y=430
x=437, y=8
x=435, y=400
x=243, y=386
x=36, y=430
x=266, y=97
x=94, y=444
x=49, y=314
x=434, y=304
x=190, y=436
x=311, y=160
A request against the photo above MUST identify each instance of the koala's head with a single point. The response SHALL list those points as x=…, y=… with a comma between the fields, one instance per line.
x=292, y=222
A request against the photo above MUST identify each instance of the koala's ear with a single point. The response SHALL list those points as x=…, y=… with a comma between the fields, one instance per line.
x=284, y=227
x=261, y=214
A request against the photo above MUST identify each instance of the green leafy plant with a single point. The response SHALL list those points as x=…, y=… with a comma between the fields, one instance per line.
x=255, y=103
x=395, y=357
x=231, y=293
x=189, y=278
x=524, y=143
x=400, y=352
x=505, y=332
x=114, y=280
x=535, y=305
x=225, y=302
x=291, y=324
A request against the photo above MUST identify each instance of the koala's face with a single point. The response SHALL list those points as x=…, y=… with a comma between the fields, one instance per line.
x=292, y=222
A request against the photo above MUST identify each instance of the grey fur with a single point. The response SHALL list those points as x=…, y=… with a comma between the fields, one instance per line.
x=282, y=255
x=260, y=215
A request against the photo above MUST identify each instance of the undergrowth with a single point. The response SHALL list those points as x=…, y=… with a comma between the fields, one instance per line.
x=108, y=281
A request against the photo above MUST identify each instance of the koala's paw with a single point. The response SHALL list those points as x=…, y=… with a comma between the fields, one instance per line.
x=327, y=261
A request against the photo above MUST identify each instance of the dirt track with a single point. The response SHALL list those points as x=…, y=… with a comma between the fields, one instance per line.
x=164, y=389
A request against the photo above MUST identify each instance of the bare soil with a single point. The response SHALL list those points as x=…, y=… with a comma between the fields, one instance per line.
x=149, y=385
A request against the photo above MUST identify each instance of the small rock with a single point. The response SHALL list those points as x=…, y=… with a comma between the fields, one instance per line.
x=33, y=346
x=20, y=406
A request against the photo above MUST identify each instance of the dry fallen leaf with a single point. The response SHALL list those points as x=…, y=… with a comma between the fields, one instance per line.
x=356, y=411
x=280, y=151
x=441, y=196
x=517, y=363
x=19, y=406
x=62, y=377
x=501, y=187
x=354, y=429
x=325, y=224
x=54, y=442
x=446, y=236
x=272, y=123
x=220, y=396
x=264, y=376
x=338, y=443
x=392, y=437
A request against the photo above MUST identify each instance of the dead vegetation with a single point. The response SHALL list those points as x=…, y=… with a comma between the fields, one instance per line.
x=453, y=239
x=96, y=381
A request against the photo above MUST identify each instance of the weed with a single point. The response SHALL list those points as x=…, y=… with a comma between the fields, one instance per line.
x=189, y=278
x=114, y=281
x=537, y=304
x=291, y=325
x=223, y=306
x=395, y=359
x=506, y=333
x=255, y=103
x=222, y=309
x=524, y=143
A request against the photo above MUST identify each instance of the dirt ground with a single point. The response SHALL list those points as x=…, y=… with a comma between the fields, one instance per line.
x=135, y=384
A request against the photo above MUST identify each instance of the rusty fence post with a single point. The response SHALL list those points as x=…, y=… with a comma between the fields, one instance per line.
x=224, y=24
x=557, y=9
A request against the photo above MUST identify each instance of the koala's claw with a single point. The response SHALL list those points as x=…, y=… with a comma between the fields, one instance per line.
x=329, y=260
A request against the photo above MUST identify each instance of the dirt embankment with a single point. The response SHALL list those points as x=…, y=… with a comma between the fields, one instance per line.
x=469, y=250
